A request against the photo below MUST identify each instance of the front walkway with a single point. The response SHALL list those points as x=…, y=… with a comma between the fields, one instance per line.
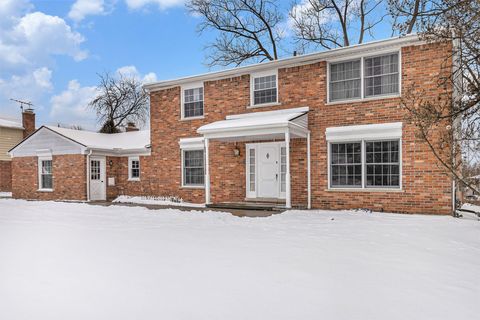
x=234, y=212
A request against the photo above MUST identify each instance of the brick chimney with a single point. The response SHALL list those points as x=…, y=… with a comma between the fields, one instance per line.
x=131, y=127
x=28, y=122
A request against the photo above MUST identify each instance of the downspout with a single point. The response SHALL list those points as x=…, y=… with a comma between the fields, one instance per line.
x=456, y=125
x=88, y=174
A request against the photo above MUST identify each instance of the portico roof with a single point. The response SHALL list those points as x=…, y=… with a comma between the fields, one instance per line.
x=259, y=125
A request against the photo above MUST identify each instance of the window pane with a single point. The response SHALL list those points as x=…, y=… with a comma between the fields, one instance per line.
x=345, y=80
x=265, y=89
x=193, y=167
x=193, y=103
x=381, y=75
x=383, y=167
x=135, y=169
x=252, y=169
x=346, y=164
x=46, y=175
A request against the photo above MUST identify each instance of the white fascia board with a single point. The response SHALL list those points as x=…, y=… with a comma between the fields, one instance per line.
x=118, y=152
x=267, y=113
x=191, y=143
x=391, y=43
x=365, y=132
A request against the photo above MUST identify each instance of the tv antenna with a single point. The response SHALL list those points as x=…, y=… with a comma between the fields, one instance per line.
x=22, y=103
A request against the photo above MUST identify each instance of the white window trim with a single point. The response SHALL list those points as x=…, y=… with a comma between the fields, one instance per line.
x=363, y=153
x=191, y=186
x=39, y=169
x=362, y=82
x=252, y=82
x=130, y=159
x=193, y=85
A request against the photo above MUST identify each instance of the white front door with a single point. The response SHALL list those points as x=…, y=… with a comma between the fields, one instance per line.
x=97, y=179
x=268, y=170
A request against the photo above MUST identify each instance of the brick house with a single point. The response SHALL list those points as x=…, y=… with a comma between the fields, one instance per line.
x=65, y=164
x=322, y=130
x=11, y=133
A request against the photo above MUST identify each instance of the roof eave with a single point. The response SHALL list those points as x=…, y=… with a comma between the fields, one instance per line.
x=286, y=62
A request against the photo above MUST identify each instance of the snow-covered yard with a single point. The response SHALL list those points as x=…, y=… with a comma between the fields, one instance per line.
x=77, y=261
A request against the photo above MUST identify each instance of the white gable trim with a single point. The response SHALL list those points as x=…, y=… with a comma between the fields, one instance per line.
x=365, y=132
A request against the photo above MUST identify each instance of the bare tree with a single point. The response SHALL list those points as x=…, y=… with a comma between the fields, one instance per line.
x=335, y=23
x=450, y=123
x=248, y=29
x=121, y=100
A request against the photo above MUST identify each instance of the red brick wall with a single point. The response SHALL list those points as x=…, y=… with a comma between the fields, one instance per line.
x=119, y=170
x=69, y=178
x=426, y=189
x=5, y=176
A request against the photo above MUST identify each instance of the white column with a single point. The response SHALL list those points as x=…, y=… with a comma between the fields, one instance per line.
x=207, y=174
x=309, y=183
x=288, y=200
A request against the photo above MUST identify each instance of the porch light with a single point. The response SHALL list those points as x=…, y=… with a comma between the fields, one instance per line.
x=236, y=152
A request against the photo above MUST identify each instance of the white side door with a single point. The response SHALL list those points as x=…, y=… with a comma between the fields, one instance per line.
x=268, y=170
x=98, y=190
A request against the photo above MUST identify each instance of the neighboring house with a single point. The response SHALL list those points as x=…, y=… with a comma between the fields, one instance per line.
x=65, y=164
x=11, y=133
x=322, y=130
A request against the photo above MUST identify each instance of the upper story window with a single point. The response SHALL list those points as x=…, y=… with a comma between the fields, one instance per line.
x=264, y=89
x=192, y=105
x=364, y=77
x=381, y=75
x=345, y=80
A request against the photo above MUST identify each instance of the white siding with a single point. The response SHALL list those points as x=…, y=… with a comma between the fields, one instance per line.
x=8, y=139
x=44, y=140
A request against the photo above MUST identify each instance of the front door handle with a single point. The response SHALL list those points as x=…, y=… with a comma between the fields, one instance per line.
x=276, y=176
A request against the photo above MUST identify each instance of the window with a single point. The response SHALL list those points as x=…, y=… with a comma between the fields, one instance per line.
x=264, y=89
x=383, y=165
x=283, y=169
x=94, y=169
x=193, y=168
x=365, y=164
x=380, y=77
x=345, y=80
x=45, y=174
x=346, y=164
x=251, y=160
x=193, y=102
x=134, y=168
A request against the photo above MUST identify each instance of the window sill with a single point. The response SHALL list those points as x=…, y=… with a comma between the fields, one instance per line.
x=45, y=190
x=390, y=96
x=364, y=190
x=264, y=105
x=192, y=118
x=192, y=187
x=133, y=179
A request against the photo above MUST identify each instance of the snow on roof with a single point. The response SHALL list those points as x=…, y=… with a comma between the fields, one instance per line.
x=10, y=123
x=124, y=140
x=255, y=119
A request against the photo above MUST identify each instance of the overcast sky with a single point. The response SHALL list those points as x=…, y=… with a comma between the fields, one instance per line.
x=52, y=50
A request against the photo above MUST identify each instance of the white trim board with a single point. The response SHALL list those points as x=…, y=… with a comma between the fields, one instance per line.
x=364, y=132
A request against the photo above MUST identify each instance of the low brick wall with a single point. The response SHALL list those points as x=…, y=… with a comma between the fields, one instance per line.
x=69, y=178
x=5, y=176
